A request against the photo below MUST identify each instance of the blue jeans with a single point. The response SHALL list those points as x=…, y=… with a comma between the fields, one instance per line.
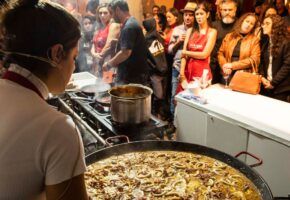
x=174, y=84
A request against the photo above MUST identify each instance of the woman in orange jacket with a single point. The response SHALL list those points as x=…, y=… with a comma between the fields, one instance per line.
x=240, y=49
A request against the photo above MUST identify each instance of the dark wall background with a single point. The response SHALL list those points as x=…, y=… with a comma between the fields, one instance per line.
x=245, y=5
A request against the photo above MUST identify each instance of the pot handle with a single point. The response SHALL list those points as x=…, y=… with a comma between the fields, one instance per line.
x=109, y=139
x=125, y=101
x=260, y=161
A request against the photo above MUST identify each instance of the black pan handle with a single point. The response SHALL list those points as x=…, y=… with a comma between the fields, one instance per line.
x=260, y=161
x=109, y=139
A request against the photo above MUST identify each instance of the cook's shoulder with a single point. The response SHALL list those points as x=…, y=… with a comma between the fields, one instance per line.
x=53, y=116
x=62, y=123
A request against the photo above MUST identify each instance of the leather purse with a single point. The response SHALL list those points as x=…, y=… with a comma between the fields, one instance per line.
x=246, y=82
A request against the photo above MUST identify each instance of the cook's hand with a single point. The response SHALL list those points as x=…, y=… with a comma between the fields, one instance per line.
x=227, y=68
x=99, y=56
x=105, y=66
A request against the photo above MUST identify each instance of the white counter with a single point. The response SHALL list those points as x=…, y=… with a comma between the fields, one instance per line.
x=260, y=114
x=233, y=122
x=82, y=79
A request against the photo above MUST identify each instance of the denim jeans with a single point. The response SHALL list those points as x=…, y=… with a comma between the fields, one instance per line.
x=174, y=84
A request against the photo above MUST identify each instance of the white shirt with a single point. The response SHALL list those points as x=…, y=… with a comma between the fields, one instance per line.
x=38, y=145
x=177, y=31
x=269, y=71
x=32, y=78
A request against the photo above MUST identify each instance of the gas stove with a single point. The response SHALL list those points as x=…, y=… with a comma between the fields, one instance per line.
x=99, y=117
x=96, y=125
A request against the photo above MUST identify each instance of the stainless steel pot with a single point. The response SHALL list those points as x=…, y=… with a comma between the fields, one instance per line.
x=130, y=104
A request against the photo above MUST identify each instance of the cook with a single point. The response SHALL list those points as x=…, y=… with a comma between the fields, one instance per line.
x=41, y=150
x=130, y=59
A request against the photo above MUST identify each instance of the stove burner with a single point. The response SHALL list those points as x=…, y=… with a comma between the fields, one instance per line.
x=147, y=130
x=102, y=110
x=151, y=122
x=99, y=119
x=81, y=94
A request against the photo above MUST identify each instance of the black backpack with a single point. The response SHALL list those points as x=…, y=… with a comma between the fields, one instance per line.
x=156, y=52
x=158, y=59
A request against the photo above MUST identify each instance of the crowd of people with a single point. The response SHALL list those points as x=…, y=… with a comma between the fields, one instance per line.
x=172, y=48
x=185, y=45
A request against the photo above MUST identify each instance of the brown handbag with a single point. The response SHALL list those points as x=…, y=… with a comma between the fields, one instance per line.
x=246, y=82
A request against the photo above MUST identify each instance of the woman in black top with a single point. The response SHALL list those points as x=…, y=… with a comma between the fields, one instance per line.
x=275, y=59
x=84, y=60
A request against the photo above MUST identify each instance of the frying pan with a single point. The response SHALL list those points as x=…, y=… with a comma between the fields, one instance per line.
x=95, y=89
x=98, y=92
x=138, y=146
x=104, y=99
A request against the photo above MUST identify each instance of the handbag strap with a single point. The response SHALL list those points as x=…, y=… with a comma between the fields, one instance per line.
x=253, y=65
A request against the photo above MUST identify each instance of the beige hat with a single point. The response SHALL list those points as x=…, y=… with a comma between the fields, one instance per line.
x=190, y=6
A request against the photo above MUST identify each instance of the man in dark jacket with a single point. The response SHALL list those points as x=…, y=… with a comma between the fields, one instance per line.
x=228, y=9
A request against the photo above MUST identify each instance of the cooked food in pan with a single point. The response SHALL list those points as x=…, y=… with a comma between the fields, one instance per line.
x=167, y=175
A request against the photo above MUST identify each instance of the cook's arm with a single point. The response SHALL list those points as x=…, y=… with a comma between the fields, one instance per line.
x=73, y=188
x=120, y=57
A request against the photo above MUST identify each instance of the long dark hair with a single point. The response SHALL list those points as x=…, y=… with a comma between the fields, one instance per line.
x=162, y=21
x=33, y=27
x=176, y=14
x=238, y=24
x=279, y=33
x=263, y=15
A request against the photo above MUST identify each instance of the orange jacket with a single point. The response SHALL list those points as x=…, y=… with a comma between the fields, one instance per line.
x=250, y=50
